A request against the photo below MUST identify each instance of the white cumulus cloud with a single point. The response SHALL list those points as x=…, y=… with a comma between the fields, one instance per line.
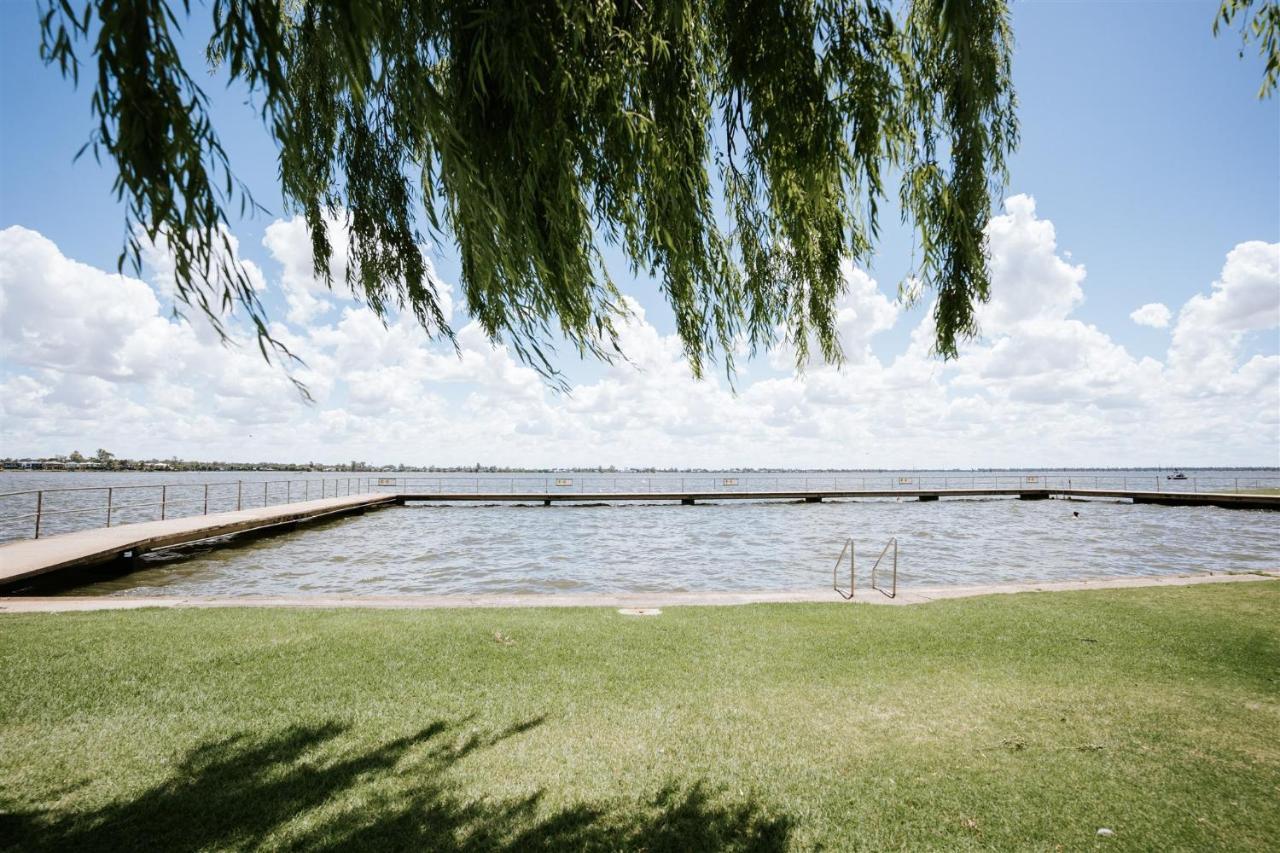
x=94, y=359
x=1153, y=314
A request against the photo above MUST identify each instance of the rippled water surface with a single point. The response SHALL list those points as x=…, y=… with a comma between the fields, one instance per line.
x=732, y=545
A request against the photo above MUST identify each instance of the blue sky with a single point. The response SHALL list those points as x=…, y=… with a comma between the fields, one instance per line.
x=1143, y=143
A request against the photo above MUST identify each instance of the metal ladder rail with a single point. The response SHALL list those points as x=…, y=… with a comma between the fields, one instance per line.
x=851, y=549
x=894, y=593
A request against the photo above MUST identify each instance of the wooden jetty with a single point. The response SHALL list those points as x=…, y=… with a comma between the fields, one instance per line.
x=25, y=559
x=1230, y=500
x=28, y=558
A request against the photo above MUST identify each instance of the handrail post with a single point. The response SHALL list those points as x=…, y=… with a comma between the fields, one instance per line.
x=164, y=497
x=39, y=510
x=875, y=566
x=109, y=491
x=264, y=493
x=206, y=499
x=239, y=493
x=895, y=568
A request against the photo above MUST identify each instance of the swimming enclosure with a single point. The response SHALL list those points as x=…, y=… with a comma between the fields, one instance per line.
x=731, y=544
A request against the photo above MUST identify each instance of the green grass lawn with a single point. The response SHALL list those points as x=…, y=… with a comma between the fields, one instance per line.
x=1015, y=722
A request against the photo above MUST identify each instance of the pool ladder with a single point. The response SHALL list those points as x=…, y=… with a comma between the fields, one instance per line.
x=851, y=549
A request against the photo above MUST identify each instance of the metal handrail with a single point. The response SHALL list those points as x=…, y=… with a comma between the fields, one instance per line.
x=184, y=497
x=851, y=549
x=212, y=484
x=894, y=594
x=581, y=482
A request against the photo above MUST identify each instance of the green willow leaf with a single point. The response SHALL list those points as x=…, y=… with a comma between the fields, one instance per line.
x=736, y=150
x=1263, y=27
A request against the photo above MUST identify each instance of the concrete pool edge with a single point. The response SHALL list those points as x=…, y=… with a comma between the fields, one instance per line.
x=67, y=603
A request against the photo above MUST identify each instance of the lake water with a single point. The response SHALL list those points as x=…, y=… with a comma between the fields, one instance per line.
x=730, y=545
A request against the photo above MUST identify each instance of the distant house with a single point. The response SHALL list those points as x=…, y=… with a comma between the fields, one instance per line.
x=37, y=464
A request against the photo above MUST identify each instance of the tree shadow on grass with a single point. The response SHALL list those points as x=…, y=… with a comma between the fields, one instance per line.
x=299, y=789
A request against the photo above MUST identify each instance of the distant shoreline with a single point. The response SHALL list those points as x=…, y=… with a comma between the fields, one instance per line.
x=619, y=471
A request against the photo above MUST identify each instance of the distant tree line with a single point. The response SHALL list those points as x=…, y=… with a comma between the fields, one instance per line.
x=106, y=461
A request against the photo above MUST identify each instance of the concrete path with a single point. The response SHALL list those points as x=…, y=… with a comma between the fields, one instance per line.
x=54, y=604
x=30, y=557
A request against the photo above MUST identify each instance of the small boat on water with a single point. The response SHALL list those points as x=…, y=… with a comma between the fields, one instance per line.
x=1176, y=475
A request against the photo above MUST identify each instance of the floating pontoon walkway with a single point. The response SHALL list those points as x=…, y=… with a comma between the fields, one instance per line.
x=29, y=558
x=1230, y=500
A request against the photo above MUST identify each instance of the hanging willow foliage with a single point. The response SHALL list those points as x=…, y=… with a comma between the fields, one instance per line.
x=736, y=150
x=1259, y=22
